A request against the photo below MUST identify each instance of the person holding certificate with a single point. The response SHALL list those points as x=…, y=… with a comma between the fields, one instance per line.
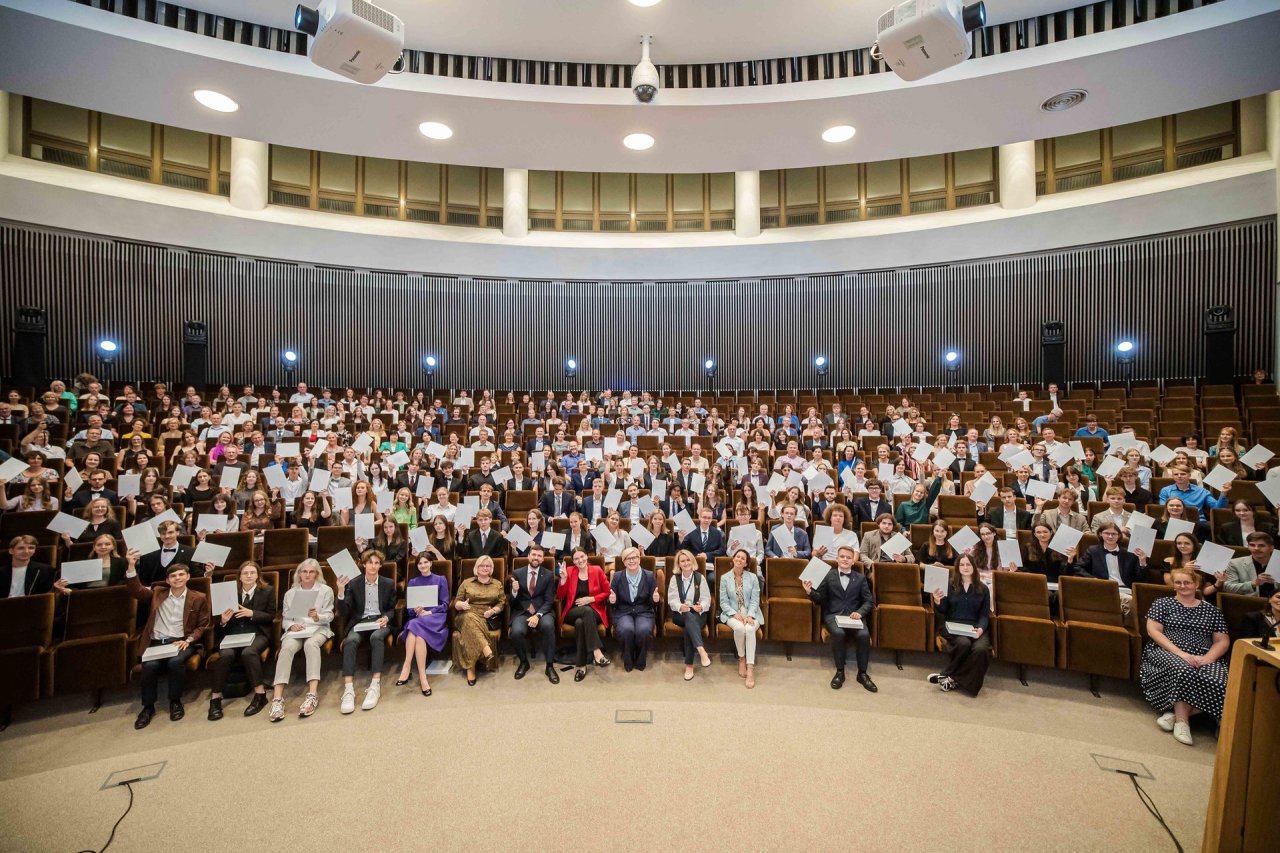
x=254, y=613
x=367, y=605
x=308, y=610
x=426, y=626
x=178, y=619
x=964, y=613
x=846, y=601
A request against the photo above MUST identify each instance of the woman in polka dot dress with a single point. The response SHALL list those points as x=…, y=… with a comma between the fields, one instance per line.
x=1183, y=672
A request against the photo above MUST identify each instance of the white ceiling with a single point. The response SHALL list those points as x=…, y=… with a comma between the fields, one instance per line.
x=610, y=30
x=74, y=54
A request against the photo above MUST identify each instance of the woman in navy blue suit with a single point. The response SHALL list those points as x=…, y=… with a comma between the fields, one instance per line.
x=632, y=594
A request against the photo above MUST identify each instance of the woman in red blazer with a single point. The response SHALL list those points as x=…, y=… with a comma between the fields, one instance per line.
x=583, y=591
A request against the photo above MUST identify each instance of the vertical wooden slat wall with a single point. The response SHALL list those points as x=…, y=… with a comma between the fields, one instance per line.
x=878, y=327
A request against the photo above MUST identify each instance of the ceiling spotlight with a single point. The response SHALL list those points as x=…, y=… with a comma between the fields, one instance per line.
x=570, y=368
x=288, y=360
x=821, y=365
x=952, y=359
x=638, y=141
x=435, y=130
x=429, y=364
x=1126, y=351
x=108, y=350
x=839, y=133
x=215, y=100
x=710, y=367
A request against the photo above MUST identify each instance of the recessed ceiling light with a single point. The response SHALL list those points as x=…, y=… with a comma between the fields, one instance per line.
x=435, y=130
x=645, y=2
x=215, y=100
x=1064, y=100
x=839, y=133
x=638, y=141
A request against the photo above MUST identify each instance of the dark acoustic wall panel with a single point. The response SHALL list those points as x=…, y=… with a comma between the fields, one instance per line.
x=879, y=328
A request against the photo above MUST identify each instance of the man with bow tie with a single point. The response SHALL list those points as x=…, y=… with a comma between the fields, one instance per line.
x=845, y=592
x=153, y=567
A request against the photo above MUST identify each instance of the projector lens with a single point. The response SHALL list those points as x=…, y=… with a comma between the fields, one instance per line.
x=308, y=20
x=975, y=16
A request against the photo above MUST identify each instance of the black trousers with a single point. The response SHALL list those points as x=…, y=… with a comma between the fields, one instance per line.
x=176, y=669
x=546, y=626
x=840, y=638
x=969, y=660
x=249, y=657
x=586, y=627
x=691, y=639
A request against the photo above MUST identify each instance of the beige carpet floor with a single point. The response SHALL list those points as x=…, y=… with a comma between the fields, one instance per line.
x=790, y=765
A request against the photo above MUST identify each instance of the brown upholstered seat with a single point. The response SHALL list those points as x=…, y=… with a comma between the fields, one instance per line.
x=901, y=621
x=1094, y=637
x=1026, y=634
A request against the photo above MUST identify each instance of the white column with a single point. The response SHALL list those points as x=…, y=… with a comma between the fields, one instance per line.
x=515, y=203
x=1273, y=146
x=4, y=124
x=1017, y=175
x=250, y=172
x=746, y=204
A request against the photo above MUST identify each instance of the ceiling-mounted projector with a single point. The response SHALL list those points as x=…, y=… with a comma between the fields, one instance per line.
x=353, y=38
x=922, y=37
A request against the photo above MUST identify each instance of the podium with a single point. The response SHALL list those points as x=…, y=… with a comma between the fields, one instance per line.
x=1244, y=800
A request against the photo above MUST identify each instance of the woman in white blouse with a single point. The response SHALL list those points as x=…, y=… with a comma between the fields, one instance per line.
x=841, y=521
x=740, y=610
x=689, y=598
x=621, y=540
x=307, y=633
x=441, y=507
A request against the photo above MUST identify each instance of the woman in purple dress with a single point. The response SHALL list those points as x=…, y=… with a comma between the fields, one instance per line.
x=426, y=626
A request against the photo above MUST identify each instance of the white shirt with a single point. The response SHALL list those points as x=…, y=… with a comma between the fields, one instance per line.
x=18, y=585
x=168, y=624
x=1113, y=567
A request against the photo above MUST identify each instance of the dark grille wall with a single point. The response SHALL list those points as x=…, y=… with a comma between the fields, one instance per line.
x=880, y=328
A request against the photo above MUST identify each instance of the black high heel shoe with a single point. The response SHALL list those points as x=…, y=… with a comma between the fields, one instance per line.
x=401, y=682
x=604, y=661
x=426, y=692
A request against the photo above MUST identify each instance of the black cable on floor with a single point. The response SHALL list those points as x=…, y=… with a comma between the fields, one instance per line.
x=112, y=837
x=1150, y=806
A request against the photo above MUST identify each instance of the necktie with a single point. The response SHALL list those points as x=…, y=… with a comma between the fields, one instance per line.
x=533, y=580
x=247, y=596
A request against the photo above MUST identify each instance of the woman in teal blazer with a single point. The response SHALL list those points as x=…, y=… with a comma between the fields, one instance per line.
x=740, y=610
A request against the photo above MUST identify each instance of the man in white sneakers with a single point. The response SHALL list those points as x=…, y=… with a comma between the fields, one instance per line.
x=367, y=604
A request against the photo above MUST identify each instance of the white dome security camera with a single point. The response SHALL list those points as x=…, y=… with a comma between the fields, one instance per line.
x=644, y=80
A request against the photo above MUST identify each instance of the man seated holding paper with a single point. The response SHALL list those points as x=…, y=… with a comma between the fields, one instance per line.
x=874, y=541
x=1065, y=513
x=1007, y=516
x=244, y=630
x=797, y=540
x=484, y=540
x=367, y=604
x=1193, y=494
x=154, y=567
x=844, y=594
x=1108, y=560
x=176, y=623
x=706, y=539
x=1248, y=575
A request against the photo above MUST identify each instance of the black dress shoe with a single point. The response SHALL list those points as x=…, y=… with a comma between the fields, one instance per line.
x=865, y=681
x=144, y=717
x=258, y=702
x=522, y=669
x=552, y=676
x=215, y=709
x=837, y=680
x=176, y=711
x=579, y=675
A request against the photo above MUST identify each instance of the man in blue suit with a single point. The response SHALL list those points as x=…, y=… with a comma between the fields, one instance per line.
x=706, y=539
x=800, y=550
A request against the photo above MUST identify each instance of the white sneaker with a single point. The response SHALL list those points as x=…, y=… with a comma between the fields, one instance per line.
x=348, y=699
x=1165, y=721
x=1182, y=733
x=277, y=710
x=371, y=696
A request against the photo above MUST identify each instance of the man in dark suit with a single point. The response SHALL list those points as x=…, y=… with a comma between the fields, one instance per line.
x=484, y=540
x=557, y=503
x=845, y=592
x=447, y=478
x=95, y=487
x=24, y=576
x=872, y=506
x=178, y=617
x=706, y=539
x=410, y=477
x=1109, y=561
x=962, y=461
x=1007, y=512
x=482, y=477
x=153, y=567
x=489, y=502
x=370, y=598
x=520, y=480
x=633, y=617
x=583, y=477
x=592, y=506
x=533, y=599
x=539, y=441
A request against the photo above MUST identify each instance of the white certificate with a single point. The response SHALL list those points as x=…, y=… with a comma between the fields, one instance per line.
x=344, y=565
x=1257, y=455
x=501, y=475
x=436, y=449
x=168, y=650
x=784, y=539
x=208, y=552
x=697, y=484
x=1142, y=539
x=1213, y=558
x=237, y=641
x=425, y=485
x=553, y=541
x=1010, y=552
x=518, y=537
x=897, y=544
x=1270, y=490
x=936, y=578
x=683, y=522
x=1020, y=459
x=1140, y=519
x=814, y=571
x=223, y=597
x=1162, y=455
x=167, y=515
x=1178, y=525
x=884, y=470
x=418, y=538
x=823, y=537
x=602, y=536
x=399, y=459
x=851, y=622
x=362, y=627
x=318, y=449
x=300, y=603
x=365, y=528
x=943, y=458
x=637, y=468
x=901, y=428
x=1040, y=490
x=212, y=523
x=647, y=506
x=289, y=450
x=274, y=474
x=467, y=458
x=1219, y=477
x=319, y=480
x=68, y=524
x=983, y=493
x=72, y=480
x=342, y=498
x=12, y=468
x=1064, y=539
x=922, y=452
x=963, y=539
x=140, y=538
x=384, y=501
x=1062, y=454
x=641, y=536
x=960, y=629
x=423, y=595
x=819, y=482
x=230, y=478
x=362, y=443
x=81, y=571
x=613, y=499
x=1110, y=466
x=129, y=485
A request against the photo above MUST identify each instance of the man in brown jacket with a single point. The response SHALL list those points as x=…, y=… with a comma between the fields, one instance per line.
x=179, y=618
